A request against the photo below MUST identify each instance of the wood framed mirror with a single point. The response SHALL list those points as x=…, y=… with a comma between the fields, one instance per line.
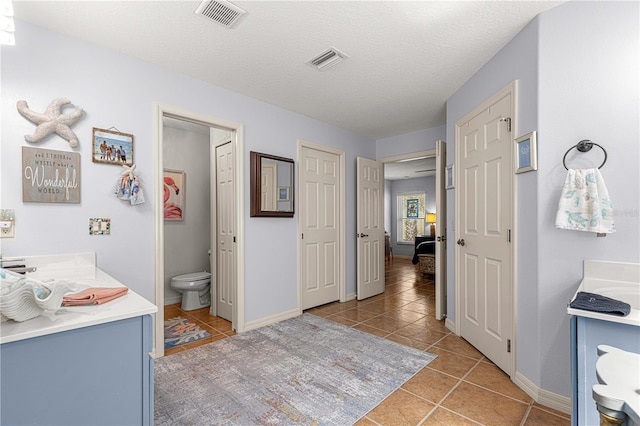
x=272, y=186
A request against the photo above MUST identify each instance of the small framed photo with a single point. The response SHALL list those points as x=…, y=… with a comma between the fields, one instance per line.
x=112, y=147
x=174, y=194
x=413, y=207
x=450, y=177
x=526, y=153
x=283, y=193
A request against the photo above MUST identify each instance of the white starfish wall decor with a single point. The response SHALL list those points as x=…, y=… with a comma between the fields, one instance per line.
x=52, y=120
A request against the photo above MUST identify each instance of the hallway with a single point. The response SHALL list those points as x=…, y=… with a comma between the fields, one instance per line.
x=460, y=387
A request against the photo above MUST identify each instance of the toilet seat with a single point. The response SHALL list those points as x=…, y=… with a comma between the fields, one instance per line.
x=193, y=276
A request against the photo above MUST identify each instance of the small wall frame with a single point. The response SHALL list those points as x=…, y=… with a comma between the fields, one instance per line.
x=112, y=147
x=526, y=153
x=450, y=177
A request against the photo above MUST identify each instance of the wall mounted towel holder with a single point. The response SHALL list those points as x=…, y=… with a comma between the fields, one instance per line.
x=584, y=145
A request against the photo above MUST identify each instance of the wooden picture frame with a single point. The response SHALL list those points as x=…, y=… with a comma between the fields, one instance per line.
x=526, y=153
x=112, y=147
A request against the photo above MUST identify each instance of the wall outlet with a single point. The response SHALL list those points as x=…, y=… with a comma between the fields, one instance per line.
x=7, y=229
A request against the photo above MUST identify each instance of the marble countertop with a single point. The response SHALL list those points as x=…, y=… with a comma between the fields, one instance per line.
x=81, y=269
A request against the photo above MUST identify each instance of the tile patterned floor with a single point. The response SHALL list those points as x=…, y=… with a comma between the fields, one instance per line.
x=460, y=387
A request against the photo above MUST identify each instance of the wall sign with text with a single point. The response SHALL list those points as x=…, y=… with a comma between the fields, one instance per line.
x=50, y=176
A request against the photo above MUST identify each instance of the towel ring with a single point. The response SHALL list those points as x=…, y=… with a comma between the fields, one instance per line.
x=584, y=145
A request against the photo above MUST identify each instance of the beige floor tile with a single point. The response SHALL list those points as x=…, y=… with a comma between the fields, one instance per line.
x=341, y=320
x=551, y=410
x=365, y=421
x=430, y=385
x=421, y=307
x=450, y=363
x=404, y=315
x=400, y=408
x=407, y=342
x=357, y=314
x=491, y=377
x=384, y=323
x=371, y=330
x=485, y=406
x=442, y=417
x=174, y=350
x=431, y=322
x=421, y=333
x=458, y=345
x=540, y=417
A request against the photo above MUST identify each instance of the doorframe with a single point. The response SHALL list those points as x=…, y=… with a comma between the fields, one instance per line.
x=161, y=110
x=342, y=289
x=511, y=88
x=431, y=153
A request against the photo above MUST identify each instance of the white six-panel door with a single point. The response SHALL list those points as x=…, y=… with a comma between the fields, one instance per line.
x=370, y=228
x=484, y=217
x=225, y=253
x=319, y=197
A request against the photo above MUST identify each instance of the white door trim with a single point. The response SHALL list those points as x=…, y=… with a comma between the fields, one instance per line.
x=341, y=219
x=509, y=88
x=159, y=111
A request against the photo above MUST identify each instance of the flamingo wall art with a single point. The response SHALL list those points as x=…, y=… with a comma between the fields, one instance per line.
x=174, y=189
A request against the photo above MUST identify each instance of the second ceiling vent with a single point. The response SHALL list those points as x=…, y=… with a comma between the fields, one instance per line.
x=221, y=11
x=327, y=59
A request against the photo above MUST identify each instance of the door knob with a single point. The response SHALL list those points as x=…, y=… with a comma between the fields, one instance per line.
x=363, y=235
x=461, y=242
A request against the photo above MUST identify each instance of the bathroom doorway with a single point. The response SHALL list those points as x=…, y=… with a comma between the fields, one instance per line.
x=191, y=145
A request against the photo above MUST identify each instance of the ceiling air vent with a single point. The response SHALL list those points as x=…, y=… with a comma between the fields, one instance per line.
x=221, y=11
x=327, y=59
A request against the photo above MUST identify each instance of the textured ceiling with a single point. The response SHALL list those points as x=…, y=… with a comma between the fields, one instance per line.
x=405, y=58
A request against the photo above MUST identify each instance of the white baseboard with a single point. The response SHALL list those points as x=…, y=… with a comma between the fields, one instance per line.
x=271, y=319
x=542, y=396
x=450, y=325
x=350, y=296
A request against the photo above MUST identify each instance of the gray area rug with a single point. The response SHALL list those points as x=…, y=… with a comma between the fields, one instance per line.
x=306, y=370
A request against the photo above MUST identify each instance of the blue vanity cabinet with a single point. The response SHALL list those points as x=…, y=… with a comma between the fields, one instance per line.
x=94, y=375
x=586, y=335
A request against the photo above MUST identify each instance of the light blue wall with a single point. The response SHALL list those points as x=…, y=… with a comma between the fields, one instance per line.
x=589, y=89
x=577, y=72
x=516, y=61
x=422, y=140
x=117, y=90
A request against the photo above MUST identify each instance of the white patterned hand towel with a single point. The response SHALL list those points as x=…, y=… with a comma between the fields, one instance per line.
x=584, y=204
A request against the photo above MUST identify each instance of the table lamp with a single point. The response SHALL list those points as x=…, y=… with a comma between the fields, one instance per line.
x=431, y=218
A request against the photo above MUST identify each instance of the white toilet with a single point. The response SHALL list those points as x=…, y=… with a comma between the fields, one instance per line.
x=195, y=289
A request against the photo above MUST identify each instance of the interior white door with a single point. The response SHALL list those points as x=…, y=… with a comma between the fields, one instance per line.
x=268, y=185
x=441, y=231
x=483, y=218
x=225, y=253
x=370, y=228
x=320, y=226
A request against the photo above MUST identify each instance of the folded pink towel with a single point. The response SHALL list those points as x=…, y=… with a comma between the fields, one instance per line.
x=94, y=296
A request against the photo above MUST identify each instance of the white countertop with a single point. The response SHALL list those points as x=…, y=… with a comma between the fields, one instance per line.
x=616, y=280
x=69, y=318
